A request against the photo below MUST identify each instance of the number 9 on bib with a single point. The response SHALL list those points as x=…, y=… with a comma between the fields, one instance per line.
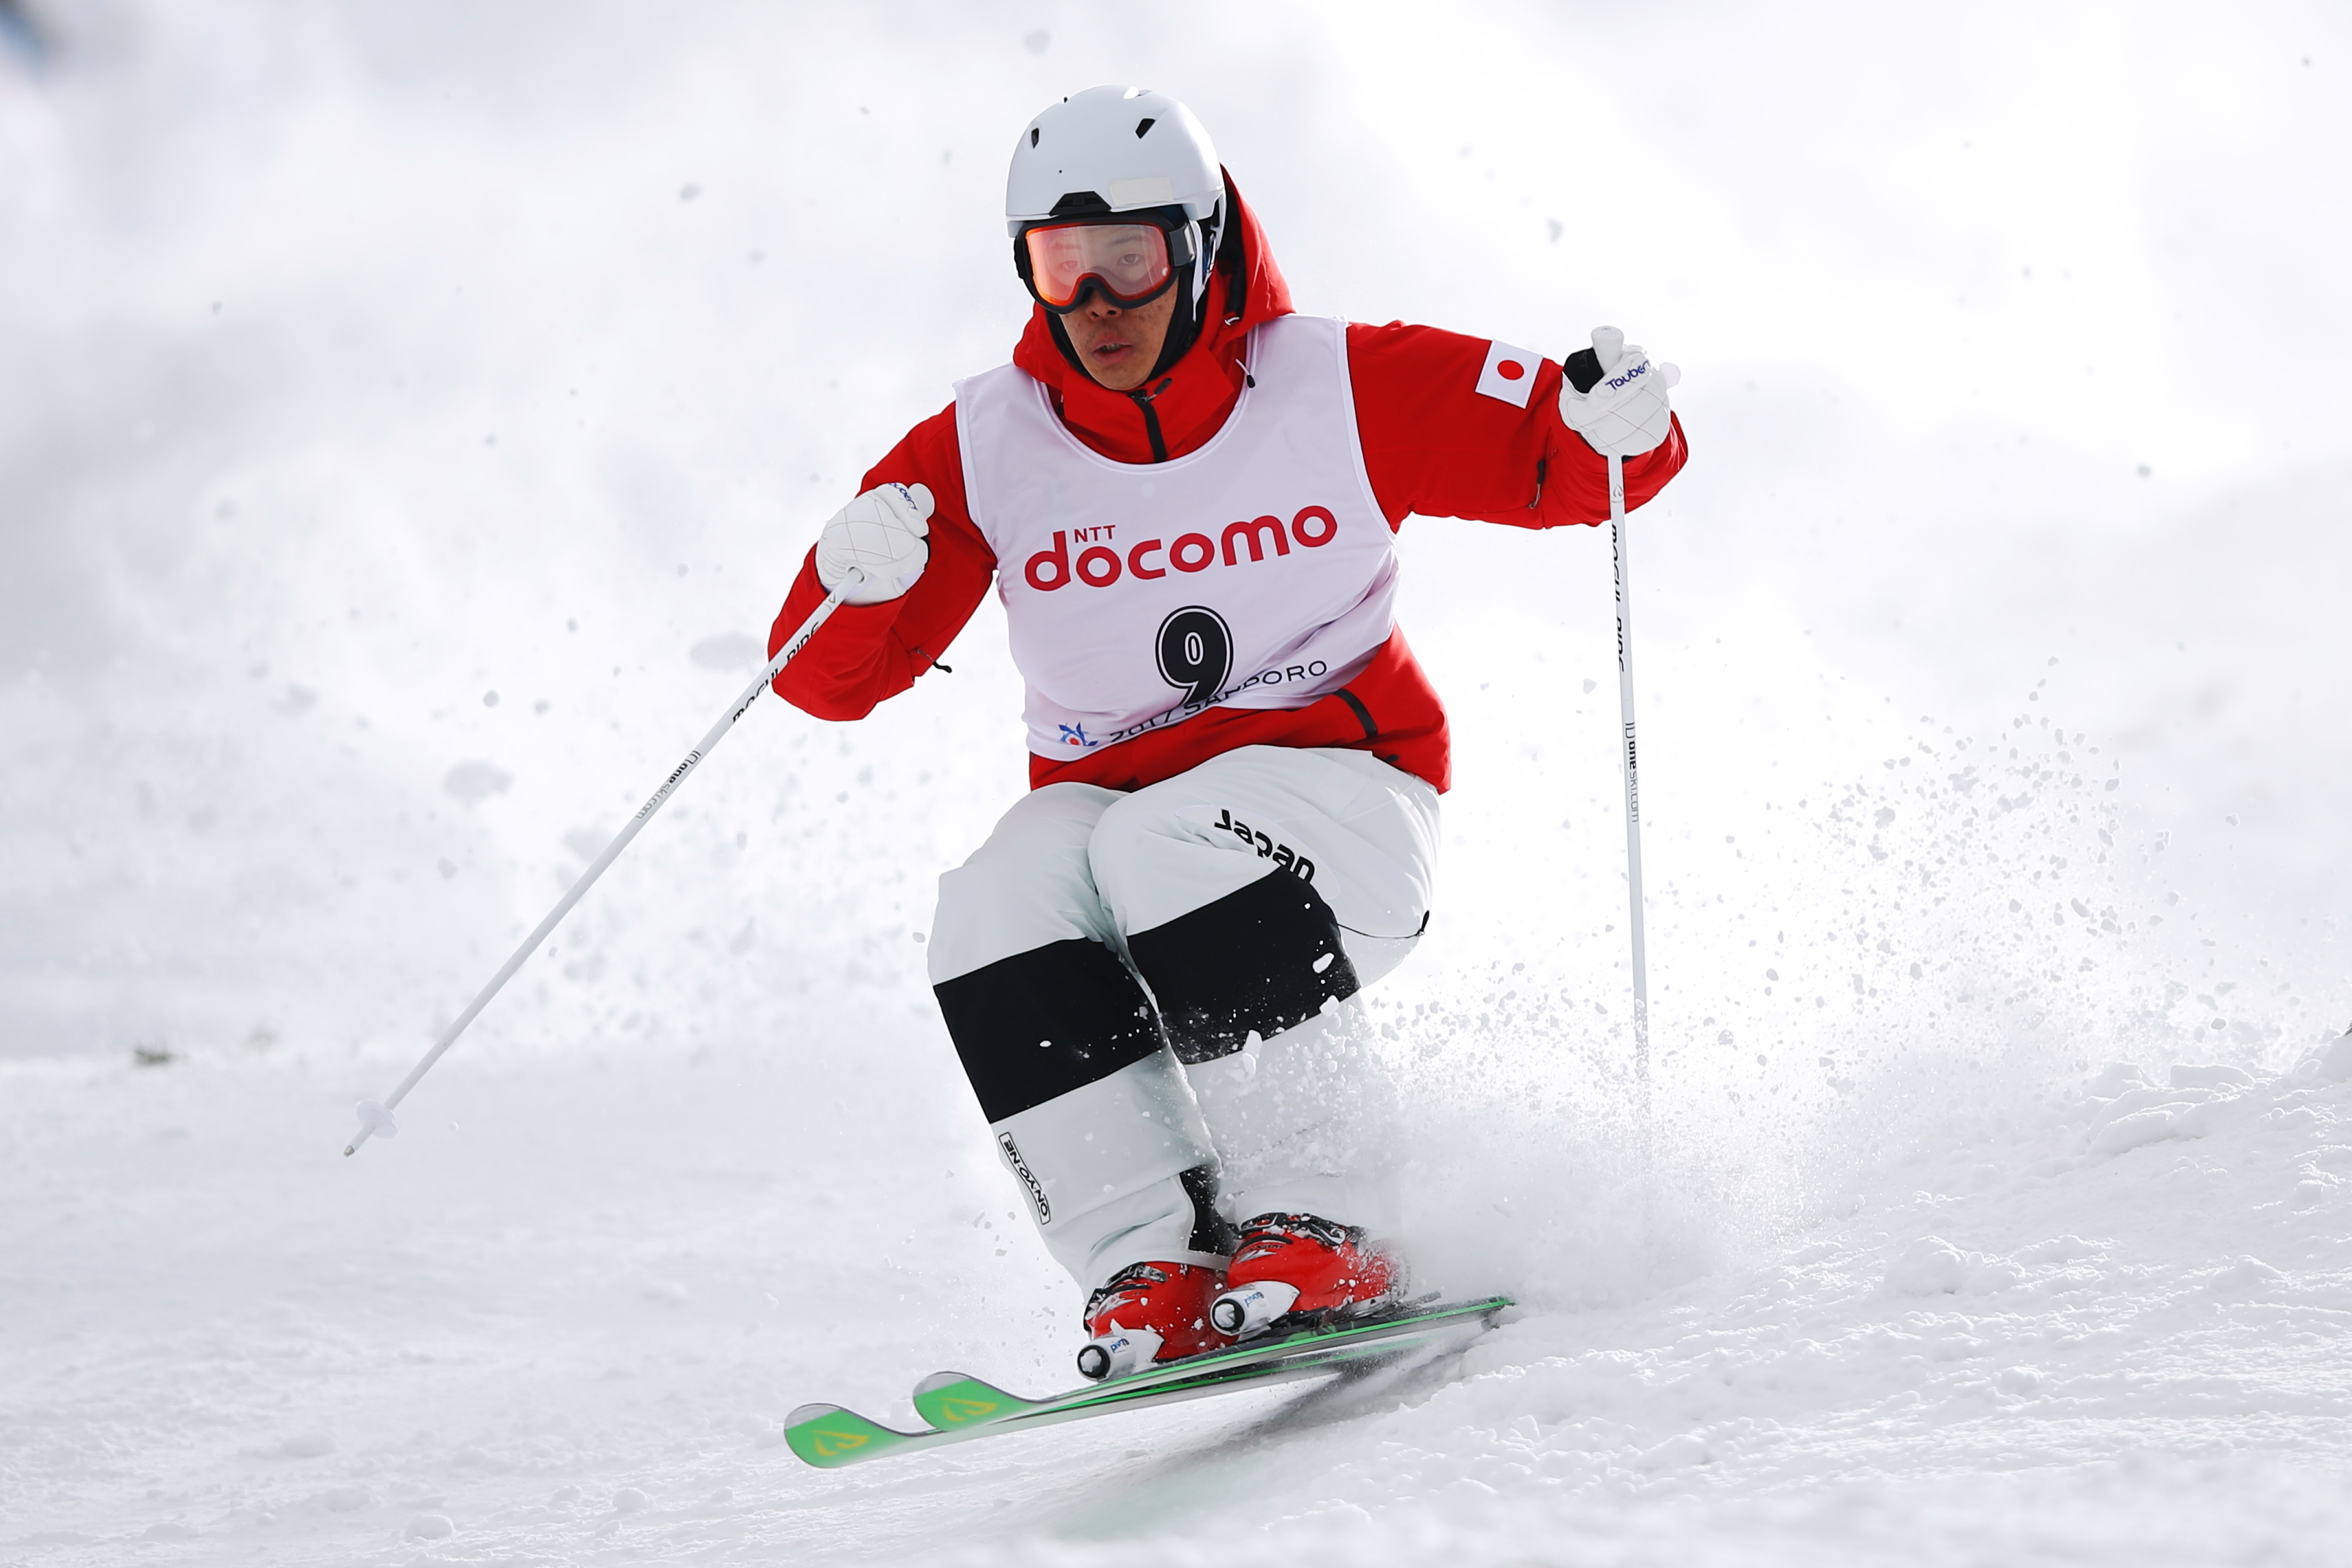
x=1196, y=654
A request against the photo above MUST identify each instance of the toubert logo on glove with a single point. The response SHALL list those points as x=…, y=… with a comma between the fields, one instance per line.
x=1626, y=413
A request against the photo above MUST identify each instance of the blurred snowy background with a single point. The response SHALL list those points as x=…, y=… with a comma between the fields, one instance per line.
x=411, y=411
x=411, y=414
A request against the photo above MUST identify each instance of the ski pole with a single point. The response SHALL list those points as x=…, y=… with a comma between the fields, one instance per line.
x=1632, y=783
x=376, y=1116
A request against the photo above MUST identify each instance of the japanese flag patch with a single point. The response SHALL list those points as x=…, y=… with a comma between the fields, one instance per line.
x=1509, y=374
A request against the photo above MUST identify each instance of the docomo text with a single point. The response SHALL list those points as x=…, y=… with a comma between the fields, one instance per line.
x=1100, y=565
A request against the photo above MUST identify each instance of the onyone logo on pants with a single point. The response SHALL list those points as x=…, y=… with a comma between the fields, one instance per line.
x=1098, y=566
x=1021, y=1169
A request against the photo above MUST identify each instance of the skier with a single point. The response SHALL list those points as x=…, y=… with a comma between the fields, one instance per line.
x=1187, y=497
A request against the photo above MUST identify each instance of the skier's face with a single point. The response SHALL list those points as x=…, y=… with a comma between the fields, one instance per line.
x=1119, y=345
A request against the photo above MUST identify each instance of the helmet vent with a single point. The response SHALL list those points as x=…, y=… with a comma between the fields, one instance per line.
x=1143, y=125
x=1033, y=136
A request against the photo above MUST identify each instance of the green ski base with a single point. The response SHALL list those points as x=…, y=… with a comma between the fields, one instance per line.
x=961, y=1408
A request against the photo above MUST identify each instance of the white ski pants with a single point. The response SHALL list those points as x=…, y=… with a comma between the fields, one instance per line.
x=1151, y=995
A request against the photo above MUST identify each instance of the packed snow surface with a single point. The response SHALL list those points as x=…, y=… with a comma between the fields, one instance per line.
x=2105, y=1322
x=414, y=413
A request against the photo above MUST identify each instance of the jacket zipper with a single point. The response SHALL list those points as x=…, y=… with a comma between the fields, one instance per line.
x=1151, y=419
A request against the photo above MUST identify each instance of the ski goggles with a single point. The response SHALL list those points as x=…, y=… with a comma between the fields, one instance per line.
x=1129, y=264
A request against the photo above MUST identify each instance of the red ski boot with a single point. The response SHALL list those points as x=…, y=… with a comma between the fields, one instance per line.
x=1149, y=1312
x=1291, y=1264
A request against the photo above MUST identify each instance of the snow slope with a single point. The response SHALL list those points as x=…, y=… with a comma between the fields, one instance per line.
x=413, y=415
x=2106, y=1323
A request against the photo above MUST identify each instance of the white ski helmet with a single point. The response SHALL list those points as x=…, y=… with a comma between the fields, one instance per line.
x=1126, y=147
x=1123, y=150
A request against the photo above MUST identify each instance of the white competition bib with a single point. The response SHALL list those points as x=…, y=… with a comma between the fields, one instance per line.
x=1254, y=573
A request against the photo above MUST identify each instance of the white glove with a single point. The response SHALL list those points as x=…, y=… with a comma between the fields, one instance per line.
x=873, y=550
x=1625, y=414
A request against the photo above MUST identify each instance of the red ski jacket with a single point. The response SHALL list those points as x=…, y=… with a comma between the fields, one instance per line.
x=1432, y=445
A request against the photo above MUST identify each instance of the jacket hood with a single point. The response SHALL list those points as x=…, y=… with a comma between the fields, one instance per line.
x=1190, y=400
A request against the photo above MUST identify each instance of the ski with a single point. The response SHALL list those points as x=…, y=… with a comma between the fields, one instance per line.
x=952, y=1399
x=959, y=1407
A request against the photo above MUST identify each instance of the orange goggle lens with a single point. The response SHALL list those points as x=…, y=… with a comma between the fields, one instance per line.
x=1128, y=260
